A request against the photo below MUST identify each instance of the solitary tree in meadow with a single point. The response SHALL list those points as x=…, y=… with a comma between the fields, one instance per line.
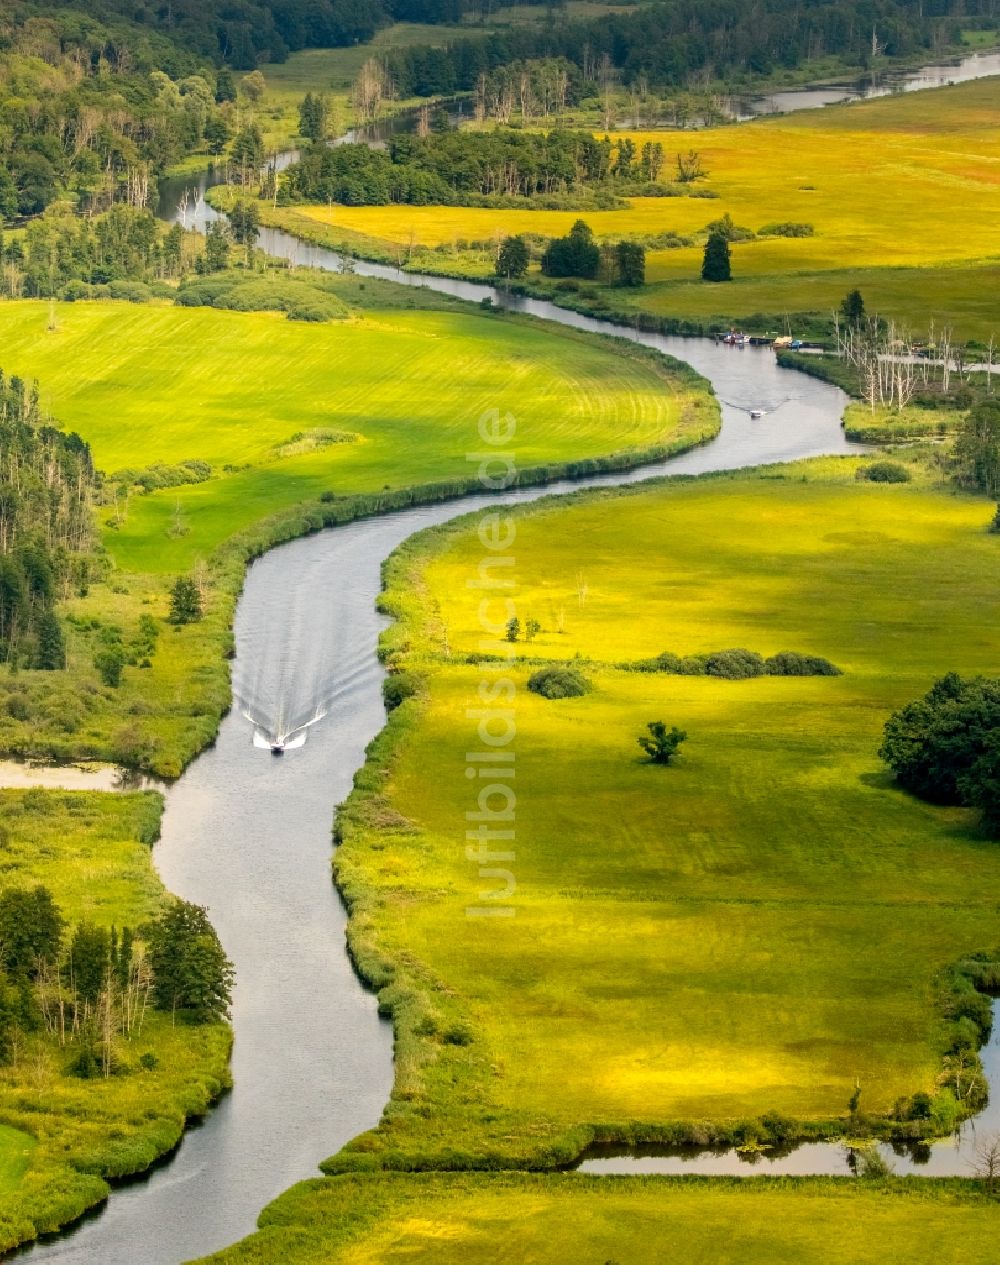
x=661, y=743
x=513, y=259
x=852, y=309
x=716, y=265
x=185, y=601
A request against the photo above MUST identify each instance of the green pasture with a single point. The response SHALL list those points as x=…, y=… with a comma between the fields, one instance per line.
x=757, y=929
x=61, y=1137
x=493, y=1219
x=902, y=193
x=400, y=393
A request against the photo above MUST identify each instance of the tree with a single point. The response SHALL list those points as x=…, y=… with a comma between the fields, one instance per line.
x=253, y=86
x=244, y=222
x=689, y=167
x=89, y=960
x=513, y=629
x=313, y=117
x=631, y=261
x=716, y=264
x=986, y=1163
x=225, y=85
x=51, y=648
x=217, y=242
x=945, y=747
x=31, y=930
x=576, y=255
x=661, y=744
x=977, y=448
x=185, y=601
x=191, y=973
x=217, y=132
x=110, y=662
x=852, y=310
x=513, y=259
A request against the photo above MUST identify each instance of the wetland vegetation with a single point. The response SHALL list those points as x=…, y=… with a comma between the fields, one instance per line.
x=788, y=932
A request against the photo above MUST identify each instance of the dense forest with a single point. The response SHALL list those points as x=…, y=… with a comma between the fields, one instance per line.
x=675, y=43
x=46, y=480
x=455, y=168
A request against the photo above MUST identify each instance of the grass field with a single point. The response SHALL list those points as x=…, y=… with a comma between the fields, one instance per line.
x=449, y=1219
x=161, y=384
x=284, y=412
x=902, y=193
x=689, y=944
x=60, y=1136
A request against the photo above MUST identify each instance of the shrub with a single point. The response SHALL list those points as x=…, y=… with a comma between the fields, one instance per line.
x=131, y=291
x=397, y=688
x=884, y=472
x=558, y=682
x=791, y=663
x=787, y=228
x=735, y=665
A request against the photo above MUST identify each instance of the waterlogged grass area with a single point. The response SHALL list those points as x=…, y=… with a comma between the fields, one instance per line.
x=749, y=934
x=452, y=1218
x=901, y=192
x=61, y=1136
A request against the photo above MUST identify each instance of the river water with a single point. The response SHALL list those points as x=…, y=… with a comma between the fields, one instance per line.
x=248, y=834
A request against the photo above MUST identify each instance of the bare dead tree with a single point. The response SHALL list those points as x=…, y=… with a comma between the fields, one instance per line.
x=985, y=1163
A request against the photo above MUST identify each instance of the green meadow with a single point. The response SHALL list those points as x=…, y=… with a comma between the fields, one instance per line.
x=901, y=193
x=758, y=929
x=449, y=1219
x=303, y=425
x=62, y=1137
x=284, y=411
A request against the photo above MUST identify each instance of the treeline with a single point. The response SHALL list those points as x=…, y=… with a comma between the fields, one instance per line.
x=82, y=120
x=46, y=481
x=88, y=989
x=125, y=245
x=452, y=167
x=677, y=42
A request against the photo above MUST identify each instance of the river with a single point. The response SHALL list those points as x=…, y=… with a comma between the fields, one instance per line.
x=248, y=835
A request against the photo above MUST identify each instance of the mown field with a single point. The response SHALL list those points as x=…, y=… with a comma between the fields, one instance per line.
x=902, y=193
x=284, y=411
x=755, y=930
x=61, y=1137
x=449, y=1219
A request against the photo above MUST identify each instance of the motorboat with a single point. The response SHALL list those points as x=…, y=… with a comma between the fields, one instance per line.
x=755, y=413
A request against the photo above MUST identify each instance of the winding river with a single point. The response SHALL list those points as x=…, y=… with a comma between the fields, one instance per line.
x=249, y=835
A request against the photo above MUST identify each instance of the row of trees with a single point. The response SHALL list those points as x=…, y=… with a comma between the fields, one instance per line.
x=452, y=167
x=89, y=988
x=58, y=248
x=576, y=255
x=46, y=486
x=687, y=42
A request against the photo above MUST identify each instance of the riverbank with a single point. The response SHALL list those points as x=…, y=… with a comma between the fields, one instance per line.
x=449, y=1219
x=71, y=1136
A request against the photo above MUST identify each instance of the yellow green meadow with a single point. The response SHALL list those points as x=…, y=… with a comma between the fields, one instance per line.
x=903, y=194
x=758, y=928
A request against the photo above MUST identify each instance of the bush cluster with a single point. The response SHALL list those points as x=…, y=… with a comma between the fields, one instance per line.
x=301, y=300
x=883, y=472
x=558, y=682
x=736, y=665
